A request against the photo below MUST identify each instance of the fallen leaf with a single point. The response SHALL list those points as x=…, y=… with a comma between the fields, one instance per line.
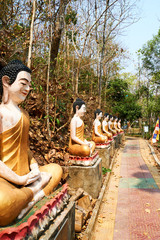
x=147, y=210
x=100, y=220
x=148, y=204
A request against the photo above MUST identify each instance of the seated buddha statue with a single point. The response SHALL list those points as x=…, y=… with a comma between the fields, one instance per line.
x=119, y=125
x=79, y=146
x=22, y=181
x=105, y=126
x=97, y=135
x=111, y=125
x=115, y=125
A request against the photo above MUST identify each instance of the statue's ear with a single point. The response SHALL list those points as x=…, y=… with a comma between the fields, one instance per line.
x=77, y=107
x=5, y=82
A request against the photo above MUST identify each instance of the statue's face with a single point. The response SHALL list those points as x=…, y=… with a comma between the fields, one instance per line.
x=100, y=115
x=82, y=110
x=106, y=118
x=18, y=91
x=112, y=119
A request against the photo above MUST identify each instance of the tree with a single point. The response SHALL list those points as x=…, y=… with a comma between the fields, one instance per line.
x=123, y=103
x=151, y=57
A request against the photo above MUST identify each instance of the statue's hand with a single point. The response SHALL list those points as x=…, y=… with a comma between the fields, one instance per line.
x=31, y=177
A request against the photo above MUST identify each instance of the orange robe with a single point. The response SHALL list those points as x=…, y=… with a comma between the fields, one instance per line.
x=14, y=152
x=96, y=138
x=109, y=134
x=119, y=127
x=77, y=149
x=111, y=126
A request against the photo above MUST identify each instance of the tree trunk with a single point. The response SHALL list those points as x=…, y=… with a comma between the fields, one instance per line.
x=48, y=77
x=73, y=82
x=56, y=38
x=77, y=76
x=31, y=34
x=102, y=57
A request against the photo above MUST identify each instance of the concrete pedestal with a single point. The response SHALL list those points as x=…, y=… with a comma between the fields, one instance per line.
x=116, y=139
x=63, y=226
x=105, y=156
x=123, y=137
x=112, y=148
x=89, y=178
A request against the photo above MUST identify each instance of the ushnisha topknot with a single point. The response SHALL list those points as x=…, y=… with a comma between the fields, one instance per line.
x=11, y=70
x=79, y=102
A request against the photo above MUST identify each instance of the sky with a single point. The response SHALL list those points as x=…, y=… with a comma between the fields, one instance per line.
x=142, y=31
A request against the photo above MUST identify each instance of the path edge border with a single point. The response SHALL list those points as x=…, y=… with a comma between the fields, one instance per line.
x=88, y=232
x=154, y=154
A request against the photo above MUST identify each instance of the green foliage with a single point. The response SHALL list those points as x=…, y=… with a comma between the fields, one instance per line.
x=69, y=34
x=151, y=56
x=128, y=109
x=71, y=17
x=117, y=90
x=124, y=104
x=105, y=170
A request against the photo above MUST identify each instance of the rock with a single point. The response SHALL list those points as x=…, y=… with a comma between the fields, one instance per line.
x=78, y=220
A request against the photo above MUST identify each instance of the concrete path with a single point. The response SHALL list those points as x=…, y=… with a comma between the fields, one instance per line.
x=131, y=206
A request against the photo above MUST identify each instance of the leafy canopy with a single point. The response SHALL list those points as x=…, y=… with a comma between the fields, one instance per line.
x=124, y=104
x=151, y=57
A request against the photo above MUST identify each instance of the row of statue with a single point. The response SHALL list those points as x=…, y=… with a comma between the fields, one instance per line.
x=102, y=133
x=22, y=181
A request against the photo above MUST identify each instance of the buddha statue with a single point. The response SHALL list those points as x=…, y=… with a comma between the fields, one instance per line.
x=115, y=125
x=111, y=125
x=119, y=125
x=97, y=135
x=79, y=146
x=105, y=126
x=22, y=181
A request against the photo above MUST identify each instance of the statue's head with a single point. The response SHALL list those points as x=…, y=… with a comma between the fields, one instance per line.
x=79, y=107
x=111, y=118
x=15, y=81
x=119, y=120
x=115, y=118
x=106, y=116
x=98, y=114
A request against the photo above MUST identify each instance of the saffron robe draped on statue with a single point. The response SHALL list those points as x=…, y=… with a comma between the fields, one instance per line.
x=14, y=146
x=109, y=134
x=77, y=149
x=111, y=126
x=15, y=153
x=96, y=138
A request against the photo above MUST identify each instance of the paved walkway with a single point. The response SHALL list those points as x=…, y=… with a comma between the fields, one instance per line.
x=134, y=200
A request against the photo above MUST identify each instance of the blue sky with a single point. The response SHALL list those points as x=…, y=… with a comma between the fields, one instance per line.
x=139, y=33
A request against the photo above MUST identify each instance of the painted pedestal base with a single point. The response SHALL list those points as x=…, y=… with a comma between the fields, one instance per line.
x=39, y=218
x=63, y=227
x=84, y=161
x=89, y=178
